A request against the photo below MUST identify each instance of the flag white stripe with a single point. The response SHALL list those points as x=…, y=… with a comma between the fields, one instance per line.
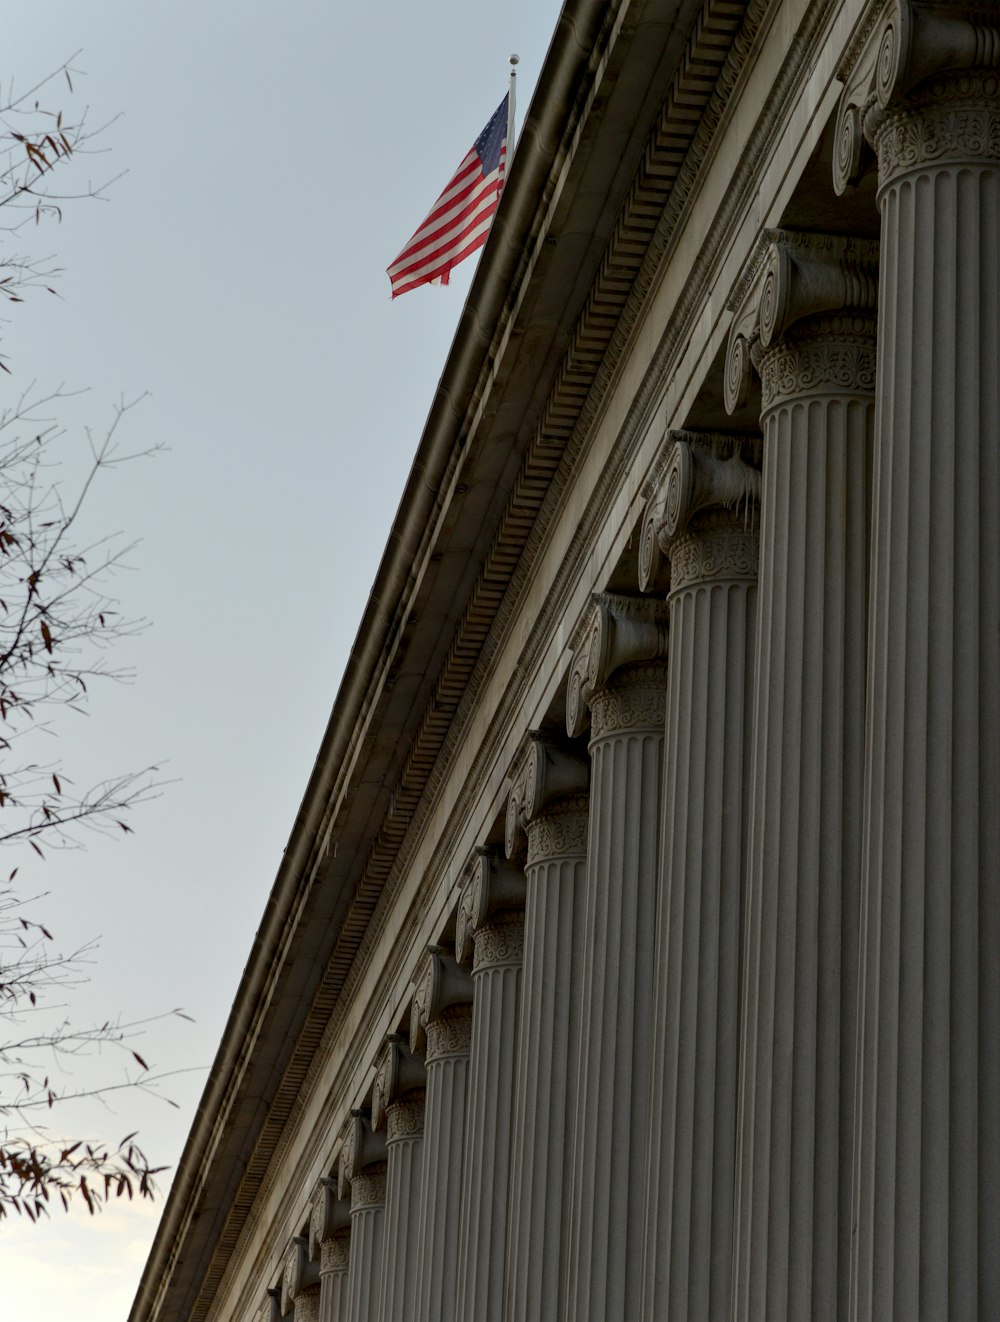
x=442, y=257
x=436, y=239
x=445, y=218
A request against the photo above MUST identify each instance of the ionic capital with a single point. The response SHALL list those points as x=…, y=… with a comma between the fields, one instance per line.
x=495, y=885
x=399, y=1073
x=801, y=287
x=491, y=886
x=442, y=985
x=618, y=632
x=361, y=1149
x=300, y=1277
x=330, y=1216
x=938, y=60
x=545, y=772
x=702, y=511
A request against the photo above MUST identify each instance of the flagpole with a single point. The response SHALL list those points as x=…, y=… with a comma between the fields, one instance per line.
x=513, y=61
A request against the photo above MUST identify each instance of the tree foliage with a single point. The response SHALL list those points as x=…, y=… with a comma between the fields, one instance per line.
x=58, y=619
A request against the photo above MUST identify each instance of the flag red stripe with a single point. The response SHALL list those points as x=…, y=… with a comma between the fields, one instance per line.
x=460, y=220
x=441, y=271
x=451, y=232
x=443, y=254
x=462, y=206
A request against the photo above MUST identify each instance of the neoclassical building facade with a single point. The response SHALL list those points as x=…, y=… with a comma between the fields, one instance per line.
x=636, y=951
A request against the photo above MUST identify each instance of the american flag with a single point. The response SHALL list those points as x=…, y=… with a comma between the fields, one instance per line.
x=460, y=219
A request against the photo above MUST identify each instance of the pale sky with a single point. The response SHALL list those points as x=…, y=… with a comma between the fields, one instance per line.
x=278, y=155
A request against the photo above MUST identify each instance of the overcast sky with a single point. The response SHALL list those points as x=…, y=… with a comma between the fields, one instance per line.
x=278, y=156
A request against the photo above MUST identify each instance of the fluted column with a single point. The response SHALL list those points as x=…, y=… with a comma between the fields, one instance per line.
x=300, y=1284
x=925, y=94
x=548, y=801
x=496, y=922
x=806, y=317
x=441, y=1019
x=330, y=1245
x=362, y=1170
x=618, y=671
x=703, y=515
x=398, y=1107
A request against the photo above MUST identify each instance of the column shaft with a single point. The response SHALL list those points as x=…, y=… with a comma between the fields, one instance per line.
x=367, y=1235
x=405, y=1143
x=334, y=1263
x=546, y=1066
x=801, y=977
x=549, y=801
x=448, y=1041
x=687, y=1266
x=812, y=306
x=496, y=1008
x=927, y=1199
x=612, y=1113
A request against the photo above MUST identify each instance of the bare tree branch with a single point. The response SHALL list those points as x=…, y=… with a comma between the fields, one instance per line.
x=58, y=619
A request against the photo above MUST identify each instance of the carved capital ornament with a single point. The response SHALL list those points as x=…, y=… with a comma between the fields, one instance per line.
x=546, y=773
x=442, y=985
x=921, y=86
x=400, y=1073
x=330, y=1216
x=362, y=1148
x=804, y=318
x=335, y=1255
x=619, y=632
x=703, y=511
x=404, y=1120
x=300, y=1276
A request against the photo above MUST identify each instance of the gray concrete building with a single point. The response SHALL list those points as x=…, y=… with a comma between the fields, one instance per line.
x=636, y=951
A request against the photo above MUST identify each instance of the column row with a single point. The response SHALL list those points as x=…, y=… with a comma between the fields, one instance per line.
x=713, y=1035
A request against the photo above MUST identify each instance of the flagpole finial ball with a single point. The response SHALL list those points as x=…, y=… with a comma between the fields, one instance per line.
x=515, y=59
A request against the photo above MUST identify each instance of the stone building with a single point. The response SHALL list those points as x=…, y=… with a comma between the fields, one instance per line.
x=636, y=951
